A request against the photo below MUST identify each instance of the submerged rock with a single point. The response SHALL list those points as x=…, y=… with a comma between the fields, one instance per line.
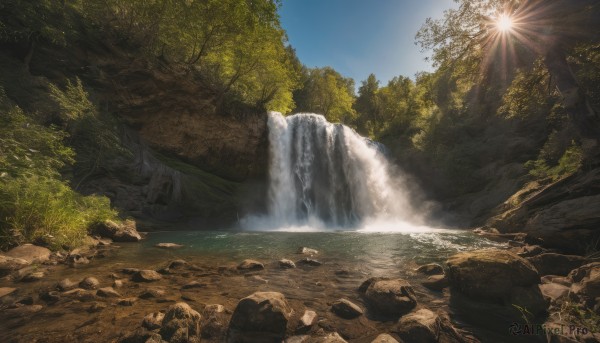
x=309, y=262
x=34, y=276
x=146, y=276
x=286, y=264
x=436, y=282
x=346, y=309
x=168, y=245
x=262, y=314
x=307, y=251
x=180, y=323
x=389, y=297
x=152, y=293
x=89, y=282
x=250, y=265
x=107, y=292
x=65, y=285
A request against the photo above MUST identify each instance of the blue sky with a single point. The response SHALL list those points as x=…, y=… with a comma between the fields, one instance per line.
x=359, y=37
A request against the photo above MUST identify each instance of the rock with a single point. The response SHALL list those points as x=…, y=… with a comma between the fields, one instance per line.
x=389, y=297
x=308, y=319
x=530, y=250
x=10, y=264
x=142, y=335
x=153, y=321
x=31, y=277
x=331, y=338
x=309, y=262
x=490, y=274
x=127, y=301
x=307, y=251
x=431, y=269
x=194, y=284
x=89, y=282
x=30, y=253
x=65, y=285
x=215, y=321
x=152, y=293
x=286, y=264
x=436, y=282
x=586, y=284
x=50, y=296
x=23, y=311
x=250, y=265
x=129, y=271
x=420, y=326
x=554, y=291
x=4, y=291
x=77, y=259
x=177, y=264
x=346, y=309
x=168, y=245
x=585, y=271
x=530, y=298
x=384, y=338
x=263, y=313
x=179, y=323
x=117, y=283
x=563, y=280
x=97, y=307
x=81, y=294
x=107, y=292
x=146, y=276
x=556, y=264
x=124, y=232
x=258, y=279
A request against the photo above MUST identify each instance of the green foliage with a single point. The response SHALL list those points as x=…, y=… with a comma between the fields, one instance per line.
x=27, y=148
x=326, y=92
x=29, y=21
x=46, y=210
x=574, y=313
x=569, y=163
x=73, y=101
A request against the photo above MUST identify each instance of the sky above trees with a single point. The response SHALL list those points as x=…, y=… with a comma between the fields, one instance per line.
x=358, y=37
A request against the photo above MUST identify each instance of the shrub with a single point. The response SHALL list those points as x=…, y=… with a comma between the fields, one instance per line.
x=48, y=211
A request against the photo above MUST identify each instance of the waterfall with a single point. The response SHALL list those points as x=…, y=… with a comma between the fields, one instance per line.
x=327, y=176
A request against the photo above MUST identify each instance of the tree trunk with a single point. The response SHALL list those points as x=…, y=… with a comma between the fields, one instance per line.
x=576, y=104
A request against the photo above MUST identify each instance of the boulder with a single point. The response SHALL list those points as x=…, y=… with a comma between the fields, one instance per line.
x=168, y=245
x=436, y=282
x=430, y=269
x=153, y=321
x=89, y=282
x=263, y=314
x=146, y=276
x=286, y=264
x=30, y=253
x=384, y=338
x=586, y=284
x=389, y=297
x=118, y=232
x=308, y=319
x=556, y=264
x=490, y=274
x=250, y=265
x=346, y=309
x=554, y=291
x=419, y=326
x=10, y=264
x=214, y=321
x=180, y=323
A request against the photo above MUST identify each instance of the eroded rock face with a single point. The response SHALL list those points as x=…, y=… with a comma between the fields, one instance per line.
x=262, y=314
x=180, y=323
x=490, y=274
x=389, y=297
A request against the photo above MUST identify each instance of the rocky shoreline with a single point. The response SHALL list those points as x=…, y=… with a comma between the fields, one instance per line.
x=482, y=295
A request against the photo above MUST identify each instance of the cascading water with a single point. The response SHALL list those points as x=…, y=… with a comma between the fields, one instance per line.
x=325, y=175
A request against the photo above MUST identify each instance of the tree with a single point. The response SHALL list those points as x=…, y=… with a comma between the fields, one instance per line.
x=367, y=105
x=326, y=92
x=470, y=36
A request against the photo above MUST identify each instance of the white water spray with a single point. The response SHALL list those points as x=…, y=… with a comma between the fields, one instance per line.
x=325, y=175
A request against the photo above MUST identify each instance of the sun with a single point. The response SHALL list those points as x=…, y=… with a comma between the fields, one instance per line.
x=504, y=23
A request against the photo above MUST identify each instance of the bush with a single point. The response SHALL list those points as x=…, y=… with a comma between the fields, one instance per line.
x=45, y=210
x=568, y=163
